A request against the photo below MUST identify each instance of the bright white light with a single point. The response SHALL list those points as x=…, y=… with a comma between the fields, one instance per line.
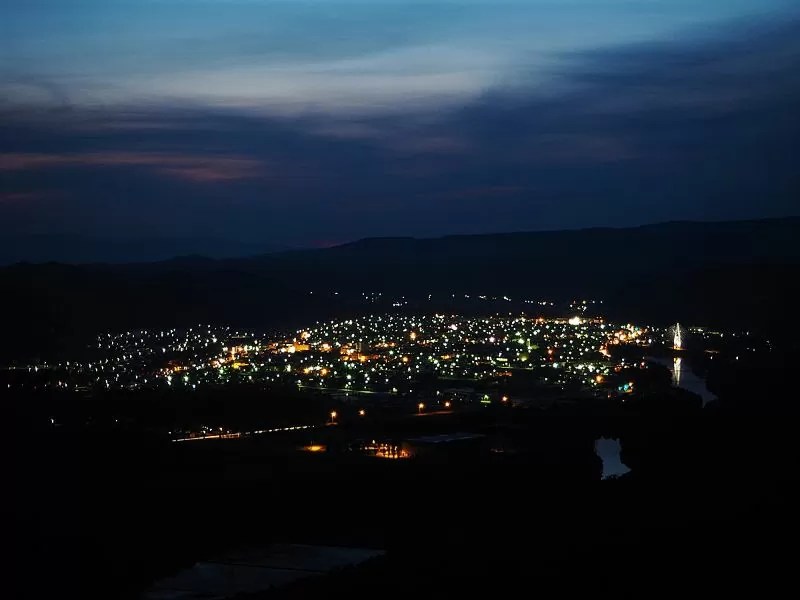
x=677, y=341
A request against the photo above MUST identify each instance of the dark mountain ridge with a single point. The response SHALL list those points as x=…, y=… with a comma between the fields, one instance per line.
x=726, y=273
x=79, y=249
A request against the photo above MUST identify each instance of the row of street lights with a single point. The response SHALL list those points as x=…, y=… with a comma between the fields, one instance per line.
x=363, y=413
x=334, y=414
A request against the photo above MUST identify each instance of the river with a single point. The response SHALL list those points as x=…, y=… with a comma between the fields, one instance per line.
x=609, y=450
x=684, y=378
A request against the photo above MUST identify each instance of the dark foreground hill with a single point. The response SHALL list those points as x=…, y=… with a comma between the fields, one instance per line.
x=732, y=273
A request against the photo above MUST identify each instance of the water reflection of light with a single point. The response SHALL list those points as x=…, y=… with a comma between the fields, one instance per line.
x=676, y=371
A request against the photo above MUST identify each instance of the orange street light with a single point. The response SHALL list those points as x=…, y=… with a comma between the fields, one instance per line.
x=447, y=404
x=333, y=416
x=420, y=406
x=362, y=412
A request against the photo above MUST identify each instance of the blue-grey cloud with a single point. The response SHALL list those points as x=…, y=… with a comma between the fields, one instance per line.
x=698, y=128
x=316, y=56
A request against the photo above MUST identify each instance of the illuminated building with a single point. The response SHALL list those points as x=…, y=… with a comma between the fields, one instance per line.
x=677, y=337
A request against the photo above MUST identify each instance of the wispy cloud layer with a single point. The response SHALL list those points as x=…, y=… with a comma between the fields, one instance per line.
x=418, y=128
x=315, y=56
x=187, y=167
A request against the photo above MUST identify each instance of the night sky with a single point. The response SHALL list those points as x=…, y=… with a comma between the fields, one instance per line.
x=308, y=123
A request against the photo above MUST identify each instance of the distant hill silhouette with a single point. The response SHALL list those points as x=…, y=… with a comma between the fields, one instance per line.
x=77, y=249
x=732, y=273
